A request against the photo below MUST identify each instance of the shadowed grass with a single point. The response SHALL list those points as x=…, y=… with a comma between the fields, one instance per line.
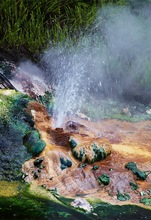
x=33, y=24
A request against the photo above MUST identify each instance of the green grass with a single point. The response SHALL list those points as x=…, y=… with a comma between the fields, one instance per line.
x=33, y=25
x=24, y=202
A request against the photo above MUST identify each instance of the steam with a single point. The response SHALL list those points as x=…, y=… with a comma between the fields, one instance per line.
x=30, y=79
x=113, y=60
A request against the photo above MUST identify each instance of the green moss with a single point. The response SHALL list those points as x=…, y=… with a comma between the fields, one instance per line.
x=95, y=167
x=140, y=174
x=146, y=201
x=105, y=179
x=65, y=163
x=33, y=142
x=73, y=143
x=134, y=186
x=122, y=212
x=99, y=153
x=123, y=196
x=32, y=202
x=82, y=165
x=48, y=101
x=82, y=154
x=15, y=122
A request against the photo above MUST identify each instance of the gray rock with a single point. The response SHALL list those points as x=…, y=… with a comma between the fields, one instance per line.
x=82, y=204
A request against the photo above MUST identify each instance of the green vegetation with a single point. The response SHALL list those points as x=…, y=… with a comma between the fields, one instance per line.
x=21, y=201
x=65, y=163
x=15, y=124
x=105, y=179
x=33, y=142
x=107, y=211
x=73, y=144
x=140, y=174
x=48, y=101
x=146, y=201
x=95, y=167
x=123, y=196
x=113, y=109
x=134, y=186
x=27, y=25
x=99, y=153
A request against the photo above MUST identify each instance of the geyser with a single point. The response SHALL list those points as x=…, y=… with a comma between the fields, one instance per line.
x=112, y=61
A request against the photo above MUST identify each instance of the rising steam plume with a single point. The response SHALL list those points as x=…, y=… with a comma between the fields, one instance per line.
x=113, y=60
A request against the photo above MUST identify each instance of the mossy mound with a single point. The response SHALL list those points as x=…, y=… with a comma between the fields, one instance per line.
x=33, y=142
x=90, y=150
x=15, y=123
x=105, y=179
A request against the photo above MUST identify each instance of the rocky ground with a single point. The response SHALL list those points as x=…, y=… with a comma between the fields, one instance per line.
x=97, y=166
x=59, y=169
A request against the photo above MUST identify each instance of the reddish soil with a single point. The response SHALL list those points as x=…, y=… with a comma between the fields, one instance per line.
x=131, y=142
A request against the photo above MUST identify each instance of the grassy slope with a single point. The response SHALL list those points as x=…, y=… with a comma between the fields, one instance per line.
x=28, y=26
x=21, y=201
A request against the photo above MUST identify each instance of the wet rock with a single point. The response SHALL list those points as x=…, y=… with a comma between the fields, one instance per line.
x=90, y=149
x=73, y=126
x=82, y=204
x=33, y=142
x=83, y=116
x=105, y=179
x=126, y=111
x=140, y=174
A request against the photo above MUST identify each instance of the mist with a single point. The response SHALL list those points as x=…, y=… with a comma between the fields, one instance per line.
x=112, y=61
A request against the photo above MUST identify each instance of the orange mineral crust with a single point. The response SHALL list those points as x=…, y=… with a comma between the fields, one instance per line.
x=74, y=168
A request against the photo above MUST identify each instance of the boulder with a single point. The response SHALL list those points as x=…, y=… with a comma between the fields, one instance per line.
x=33, y=142
x=81, y=203
x=90, y=149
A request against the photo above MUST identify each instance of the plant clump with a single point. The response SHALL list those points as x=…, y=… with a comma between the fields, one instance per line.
x=146, y=201
x=95, y=167
x=134, y=186
x=140, y=174
x=123, y=196
x=65, y=163
x=105, y=179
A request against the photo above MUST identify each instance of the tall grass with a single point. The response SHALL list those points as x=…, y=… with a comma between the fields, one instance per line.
x=33, y=24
